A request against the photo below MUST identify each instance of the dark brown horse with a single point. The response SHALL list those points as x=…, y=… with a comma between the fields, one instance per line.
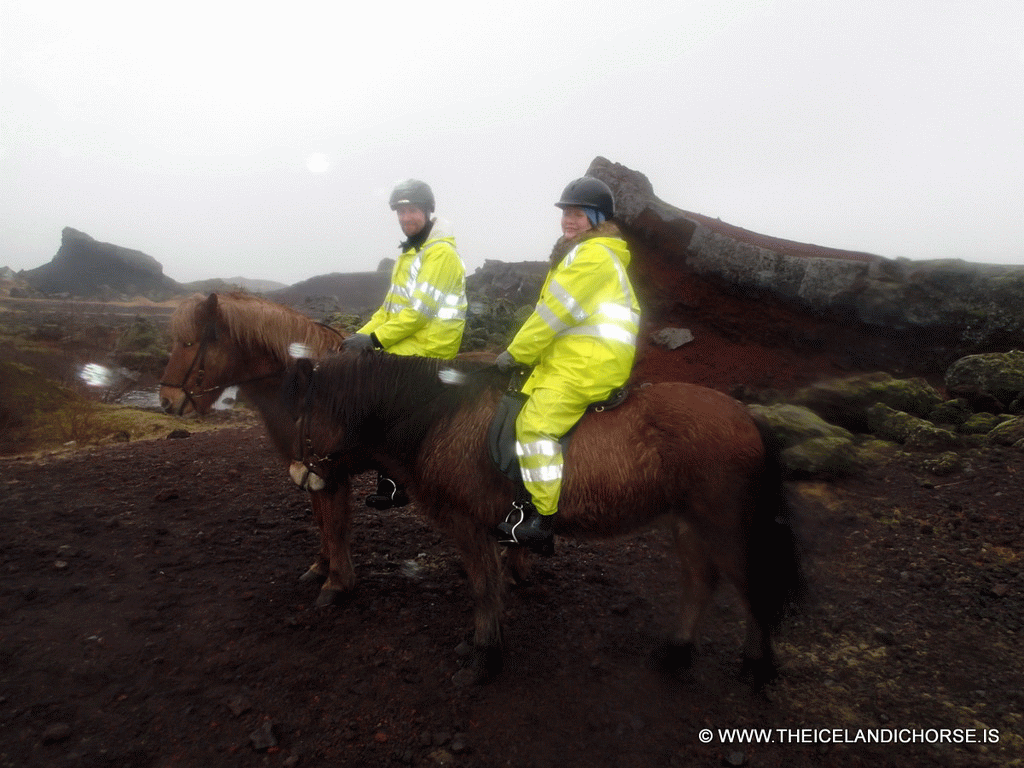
x=237, y=339
x=685, y=455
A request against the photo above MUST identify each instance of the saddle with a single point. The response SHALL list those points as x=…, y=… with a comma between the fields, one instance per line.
x=501, y=436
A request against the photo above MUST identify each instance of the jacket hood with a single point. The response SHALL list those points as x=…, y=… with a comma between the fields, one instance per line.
x=565, y=244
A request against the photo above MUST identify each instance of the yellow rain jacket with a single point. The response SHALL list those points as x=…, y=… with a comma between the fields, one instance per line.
x=424, y=311
x=581, y=338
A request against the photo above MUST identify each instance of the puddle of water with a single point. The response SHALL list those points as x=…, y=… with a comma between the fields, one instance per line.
x=149, y=399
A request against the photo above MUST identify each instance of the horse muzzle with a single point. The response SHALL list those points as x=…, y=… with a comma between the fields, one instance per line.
x=174, y=402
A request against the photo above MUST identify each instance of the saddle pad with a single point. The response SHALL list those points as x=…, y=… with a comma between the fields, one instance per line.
x=501, y=436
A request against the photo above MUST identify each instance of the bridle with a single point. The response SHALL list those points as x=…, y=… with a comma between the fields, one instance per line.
x=198, y=365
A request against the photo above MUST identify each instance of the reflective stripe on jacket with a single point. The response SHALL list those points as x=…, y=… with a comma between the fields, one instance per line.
x=582, y=335
x=424, y=311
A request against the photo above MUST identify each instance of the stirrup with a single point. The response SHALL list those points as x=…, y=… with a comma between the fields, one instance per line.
x=524, y=526
x=389, y=494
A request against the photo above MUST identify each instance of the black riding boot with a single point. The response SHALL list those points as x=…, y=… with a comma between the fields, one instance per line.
x=526, y=527
x=389, y=494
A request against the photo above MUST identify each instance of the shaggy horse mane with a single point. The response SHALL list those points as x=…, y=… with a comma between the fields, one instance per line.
x=255, y=322
x=372, y=394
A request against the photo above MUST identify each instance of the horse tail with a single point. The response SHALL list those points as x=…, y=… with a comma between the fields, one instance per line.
x=775, y=577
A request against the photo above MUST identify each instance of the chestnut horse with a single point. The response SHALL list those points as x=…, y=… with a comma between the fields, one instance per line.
x=238, y=339
x=685, y=455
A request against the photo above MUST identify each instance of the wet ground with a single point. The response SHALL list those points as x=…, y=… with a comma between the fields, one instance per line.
x=151, y=615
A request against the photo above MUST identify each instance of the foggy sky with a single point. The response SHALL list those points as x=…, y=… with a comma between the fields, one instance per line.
x=225, y=139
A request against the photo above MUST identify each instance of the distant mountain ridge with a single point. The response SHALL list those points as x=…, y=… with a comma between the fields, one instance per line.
x=85, y=268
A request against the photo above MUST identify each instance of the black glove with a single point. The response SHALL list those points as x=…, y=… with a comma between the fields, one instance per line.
x=505, y=362
x=357, y=342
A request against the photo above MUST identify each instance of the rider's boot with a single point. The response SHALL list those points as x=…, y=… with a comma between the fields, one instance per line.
x=526, y=527
x=389, y=494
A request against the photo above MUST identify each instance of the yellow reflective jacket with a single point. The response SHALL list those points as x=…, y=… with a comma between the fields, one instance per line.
x=424, y=310
x=581, y=337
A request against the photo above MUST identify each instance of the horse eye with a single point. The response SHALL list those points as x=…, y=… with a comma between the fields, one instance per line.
x=187, y=344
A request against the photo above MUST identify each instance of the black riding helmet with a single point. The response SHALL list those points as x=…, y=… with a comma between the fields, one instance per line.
x=413, y=192
x=588, y=192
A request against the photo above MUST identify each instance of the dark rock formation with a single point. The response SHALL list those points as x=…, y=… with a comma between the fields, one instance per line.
x=859, y=310
x=84, y=267
x=518, y=283
x=351, y=293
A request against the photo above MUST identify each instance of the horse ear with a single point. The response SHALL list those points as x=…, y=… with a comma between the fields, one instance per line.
x=207, y=308
x=207, y=313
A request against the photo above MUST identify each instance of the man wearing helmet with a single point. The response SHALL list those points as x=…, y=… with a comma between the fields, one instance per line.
x=581, y=342
x=424, y=310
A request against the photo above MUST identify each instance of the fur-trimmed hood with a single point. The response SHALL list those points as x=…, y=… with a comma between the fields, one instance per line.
x=566, y=244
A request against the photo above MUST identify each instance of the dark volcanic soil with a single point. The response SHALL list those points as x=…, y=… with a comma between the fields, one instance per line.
x=151, y=615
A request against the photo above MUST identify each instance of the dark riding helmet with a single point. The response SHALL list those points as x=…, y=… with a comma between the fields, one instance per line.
x=413, y=192
x=588, y=192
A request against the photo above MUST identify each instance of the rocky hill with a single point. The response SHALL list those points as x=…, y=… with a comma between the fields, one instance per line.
x=353, y=293
x=85, y=267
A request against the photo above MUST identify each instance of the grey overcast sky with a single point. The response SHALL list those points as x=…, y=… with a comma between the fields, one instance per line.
x=261, y=139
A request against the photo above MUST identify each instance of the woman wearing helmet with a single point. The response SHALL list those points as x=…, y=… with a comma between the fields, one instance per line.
x=581, y=342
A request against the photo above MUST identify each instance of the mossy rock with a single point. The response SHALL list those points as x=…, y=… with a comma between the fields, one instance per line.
x=897, y=426
x=982, y=423
x=821, y=457
x=954, y=412
x=945, y=464
x=996, y=375
x=845, y=401
x=1009, y=432
x=794, y=424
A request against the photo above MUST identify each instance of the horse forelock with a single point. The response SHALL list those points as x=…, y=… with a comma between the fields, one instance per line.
x=253, y=321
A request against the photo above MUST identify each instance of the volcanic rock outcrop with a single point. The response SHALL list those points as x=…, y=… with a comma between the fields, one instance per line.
x=857, y=311
x=84, y=266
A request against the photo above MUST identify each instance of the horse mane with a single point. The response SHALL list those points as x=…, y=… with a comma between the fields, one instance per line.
x=376, y=397
x=254, y=321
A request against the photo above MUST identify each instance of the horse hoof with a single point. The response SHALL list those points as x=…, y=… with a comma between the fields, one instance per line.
x=312, y=575
x=757, y=673
x=487, y=664
x=673, y=658
x=328, y=597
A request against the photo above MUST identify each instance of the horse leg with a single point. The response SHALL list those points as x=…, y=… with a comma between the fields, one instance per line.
x=517, y=564
x=759, y=666
x=699, y=577
x=335, y=511
x=322, y=564
x=482, y=562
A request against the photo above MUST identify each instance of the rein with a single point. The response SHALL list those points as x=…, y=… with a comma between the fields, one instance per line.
x=311, y=461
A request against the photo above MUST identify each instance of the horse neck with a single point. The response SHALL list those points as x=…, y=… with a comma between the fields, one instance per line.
x=265, y=396
x=401, y=439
